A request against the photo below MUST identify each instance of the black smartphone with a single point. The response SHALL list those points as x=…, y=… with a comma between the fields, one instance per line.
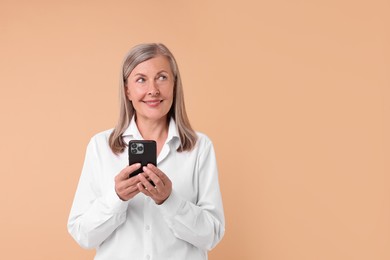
x=142, y=151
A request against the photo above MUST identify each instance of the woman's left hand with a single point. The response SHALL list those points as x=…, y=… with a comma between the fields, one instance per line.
x=163, y=185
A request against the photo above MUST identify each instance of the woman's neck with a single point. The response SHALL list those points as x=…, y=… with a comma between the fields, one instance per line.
x=154, y=130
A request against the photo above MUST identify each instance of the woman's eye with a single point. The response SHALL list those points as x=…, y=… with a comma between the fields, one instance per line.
x=140, y=80
x=162, y=77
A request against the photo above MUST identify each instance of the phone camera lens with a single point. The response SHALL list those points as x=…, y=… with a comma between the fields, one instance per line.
x=134, y=151
x=134, y=145
x=140, y=148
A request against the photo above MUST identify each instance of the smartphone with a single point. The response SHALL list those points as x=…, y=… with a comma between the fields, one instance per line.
x=144, y=152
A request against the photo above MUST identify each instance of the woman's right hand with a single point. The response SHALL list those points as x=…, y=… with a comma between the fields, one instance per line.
x=125, y=187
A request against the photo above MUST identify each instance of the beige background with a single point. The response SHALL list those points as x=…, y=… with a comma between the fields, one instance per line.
x=294, y=94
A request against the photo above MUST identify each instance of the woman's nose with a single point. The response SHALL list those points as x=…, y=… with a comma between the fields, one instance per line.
x=153, y=89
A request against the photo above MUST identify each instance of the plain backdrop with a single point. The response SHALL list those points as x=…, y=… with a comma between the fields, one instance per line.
x=294, y=94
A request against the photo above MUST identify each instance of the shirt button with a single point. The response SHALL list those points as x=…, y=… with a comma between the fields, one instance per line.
x=147, y=227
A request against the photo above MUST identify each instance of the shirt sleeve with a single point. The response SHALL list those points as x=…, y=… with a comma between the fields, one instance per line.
x=201, y=224
x=94, y=216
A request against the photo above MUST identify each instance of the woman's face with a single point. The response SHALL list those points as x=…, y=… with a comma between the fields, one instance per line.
x=150, y=88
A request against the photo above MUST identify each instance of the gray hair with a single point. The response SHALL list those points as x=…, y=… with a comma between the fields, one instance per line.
x=135, y=56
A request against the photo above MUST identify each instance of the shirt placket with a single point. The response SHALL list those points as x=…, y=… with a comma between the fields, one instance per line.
x=147, y=229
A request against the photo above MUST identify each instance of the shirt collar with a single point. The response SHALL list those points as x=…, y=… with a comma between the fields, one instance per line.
x=132, y=132
x=173, y=135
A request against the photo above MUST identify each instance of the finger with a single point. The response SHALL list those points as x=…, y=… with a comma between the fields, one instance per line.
x=134, y=191
x=132, y=194
x=142, y=189
x=145, y=182
x=155, y=179
x=124, y=188
x=128, y=193
x=163, y=178
x=158, y=172
x=131, y=181
x=123, y=185
x=130, y=189
x=124, y=174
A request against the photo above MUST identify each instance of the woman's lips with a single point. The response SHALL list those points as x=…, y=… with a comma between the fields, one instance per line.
x=152, y=103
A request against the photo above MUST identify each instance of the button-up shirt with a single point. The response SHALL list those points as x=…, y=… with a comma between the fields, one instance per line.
x=188, y=224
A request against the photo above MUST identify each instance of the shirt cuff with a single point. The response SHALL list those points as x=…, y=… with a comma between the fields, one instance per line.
x=171, y=206
x=113, y=201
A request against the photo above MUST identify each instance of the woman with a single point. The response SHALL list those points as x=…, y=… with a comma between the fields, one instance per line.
x=181, y=215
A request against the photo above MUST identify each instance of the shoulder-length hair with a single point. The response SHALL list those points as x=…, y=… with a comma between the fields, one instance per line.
x=135, y=56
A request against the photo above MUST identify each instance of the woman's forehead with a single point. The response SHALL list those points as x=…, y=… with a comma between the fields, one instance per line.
x=153, y=65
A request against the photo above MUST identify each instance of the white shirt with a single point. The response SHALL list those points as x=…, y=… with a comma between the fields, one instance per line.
x=188, y=224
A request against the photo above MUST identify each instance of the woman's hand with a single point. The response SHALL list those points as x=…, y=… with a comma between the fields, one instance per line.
x=125, y=187
x=163, y=185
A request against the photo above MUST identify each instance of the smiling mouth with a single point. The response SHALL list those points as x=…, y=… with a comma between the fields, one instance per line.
x=153, y=102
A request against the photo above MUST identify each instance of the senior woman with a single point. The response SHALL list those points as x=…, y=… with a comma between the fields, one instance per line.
x=179, y=215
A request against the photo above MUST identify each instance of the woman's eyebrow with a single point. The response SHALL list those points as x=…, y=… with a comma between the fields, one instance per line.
x=140, y=74
x=162, y=71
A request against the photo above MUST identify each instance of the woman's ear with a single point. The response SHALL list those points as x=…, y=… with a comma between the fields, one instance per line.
x=127, y=93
